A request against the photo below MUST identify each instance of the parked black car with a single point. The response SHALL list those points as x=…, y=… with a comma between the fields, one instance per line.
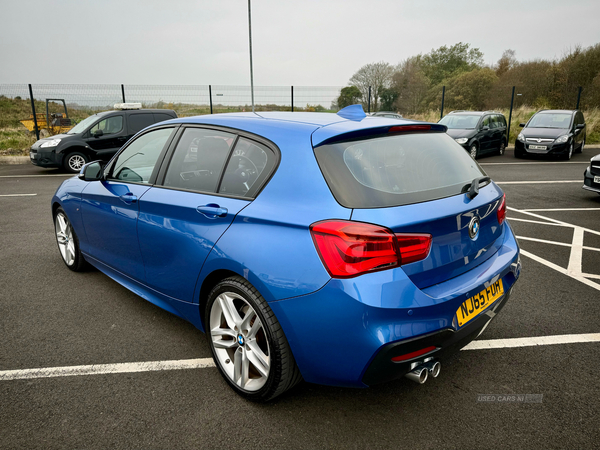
x=388, y=114
x=591, y=176
x=557, y=132
x=479, y=132
x=96, y=137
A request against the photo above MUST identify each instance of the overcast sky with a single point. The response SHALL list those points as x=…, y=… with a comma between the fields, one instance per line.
x=301, y=42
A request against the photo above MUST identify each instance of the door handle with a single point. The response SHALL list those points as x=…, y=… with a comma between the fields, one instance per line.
x=212, y=211
x=128, y=198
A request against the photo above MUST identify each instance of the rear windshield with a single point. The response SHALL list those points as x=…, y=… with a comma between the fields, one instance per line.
x=396, y=170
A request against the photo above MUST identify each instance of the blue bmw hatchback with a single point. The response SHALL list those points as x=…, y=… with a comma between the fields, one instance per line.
x=335, y=248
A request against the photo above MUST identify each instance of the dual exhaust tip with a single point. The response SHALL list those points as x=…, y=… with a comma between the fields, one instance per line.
x=424, y=371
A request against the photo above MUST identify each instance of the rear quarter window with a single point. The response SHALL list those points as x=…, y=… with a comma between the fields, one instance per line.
x=396, y=170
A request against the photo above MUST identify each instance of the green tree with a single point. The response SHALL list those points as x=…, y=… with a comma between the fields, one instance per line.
x=349, y=95
x=446, y=62
x=388, y=97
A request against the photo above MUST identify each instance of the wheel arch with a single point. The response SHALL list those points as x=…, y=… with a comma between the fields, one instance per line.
x=211, y=280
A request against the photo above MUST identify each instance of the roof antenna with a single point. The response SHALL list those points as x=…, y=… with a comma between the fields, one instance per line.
x=250, y=40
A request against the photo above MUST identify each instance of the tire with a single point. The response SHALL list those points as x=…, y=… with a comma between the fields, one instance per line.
x=502, y=148
x=247, y=342
x=473, y=151
x=68, y=243
x=569, y=154
x=74, y=161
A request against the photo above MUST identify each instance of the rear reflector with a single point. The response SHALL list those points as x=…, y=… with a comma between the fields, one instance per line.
x=501, y=213
x=412, y=355
x=348, y=249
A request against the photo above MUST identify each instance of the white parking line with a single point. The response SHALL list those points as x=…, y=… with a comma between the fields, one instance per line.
x=544, y=241
x=540, y=182
x=17, y=195
x=102, y=369
x=34, y=176
x=532, y=341
x=535, y=163
x=561, y=209
x=203, y=363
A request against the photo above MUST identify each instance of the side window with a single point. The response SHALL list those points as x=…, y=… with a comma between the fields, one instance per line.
x=494, y=122
x=580, y=117
x=112, y=125
x=250, y=164
x=136, y=163
x=137, y=122
x=198, y=160
x=485, y=122
x=501, y=121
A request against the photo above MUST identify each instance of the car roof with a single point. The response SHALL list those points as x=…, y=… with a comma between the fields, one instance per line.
x=473, y=113
x=277, y=125
x=557, y=111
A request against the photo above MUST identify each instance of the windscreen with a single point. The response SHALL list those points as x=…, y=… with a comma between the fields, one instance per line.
x=559, y=120
x=460, y=122
x=396, y=170
x=81, y=126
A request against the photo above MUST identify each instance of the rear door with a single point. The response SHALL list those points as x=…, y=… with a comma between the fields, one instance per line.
x=486, y=141
x=206, y=184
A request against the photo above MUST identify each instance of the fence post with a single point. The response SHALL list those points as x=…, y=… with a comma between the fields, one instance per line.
x=292, y=98
x=369, y=104
x=123, y=93
x=35, y=125
x=512, y=99
x=443, y=97
x=578, y=96
x=210, y=97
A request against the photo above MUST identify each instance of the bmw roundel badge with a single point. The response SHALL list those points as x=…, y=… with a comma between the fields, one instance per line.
x=474, y=227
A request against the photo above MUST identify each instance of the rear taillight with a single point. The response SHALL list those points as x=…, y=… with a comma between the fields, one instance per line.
x=349, y=249
x=501, y=213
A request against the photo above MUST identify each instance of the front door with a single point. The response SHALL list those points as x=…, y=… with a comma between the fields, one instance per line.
x=110, y=208
x=107, y=136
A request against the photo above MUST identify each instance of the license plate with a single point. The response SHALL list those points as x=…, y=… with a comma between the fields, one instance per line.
x=538, y=147
x=596, y=179
x=474, y=305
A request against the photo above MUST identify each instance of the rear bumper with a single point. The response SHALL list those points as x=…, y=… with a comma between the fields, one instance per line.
x=446, y=343
x=344, y=334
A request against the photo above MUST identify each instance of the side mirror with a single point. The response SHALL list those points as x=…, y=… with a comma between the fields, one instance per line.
x=92, y=171
x=521, y=125
x=98, y=133
x=485, y=128
x=580, y=126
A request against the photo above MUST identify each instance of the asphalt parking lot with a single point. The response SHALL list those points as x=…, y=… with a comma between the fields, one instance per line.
x=53, y=318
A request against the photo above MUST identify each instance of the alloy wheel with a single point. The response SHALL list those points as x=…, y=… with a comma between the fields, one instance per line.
x=64, y=237
x=76, y=162
x=240, y=341
x=502, y=148
x=473, y=151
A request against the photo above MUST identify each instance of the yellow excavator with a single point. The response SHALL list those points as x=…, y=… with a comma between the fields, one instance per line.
x=57, y=123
